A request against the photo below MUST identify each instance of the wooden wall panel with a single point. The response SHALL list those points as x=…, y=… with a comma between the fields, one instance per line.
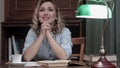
x=23, y=9
x=25, y=5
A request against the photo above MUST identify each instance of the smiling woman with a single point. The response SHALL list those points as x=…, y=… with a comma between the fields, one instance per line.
x=48, y=38
x=47, y=13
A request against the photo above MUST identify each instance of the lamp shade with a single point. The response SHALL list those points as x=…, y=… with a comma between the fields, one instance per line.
x=93, y=11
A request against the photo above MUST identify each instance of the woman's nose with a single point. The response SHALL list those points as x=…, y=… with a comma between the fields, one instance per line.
x=46, y=12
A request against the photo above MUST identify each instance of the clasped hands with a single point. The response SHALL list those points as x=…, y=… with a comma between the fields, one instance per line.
x=46, y=29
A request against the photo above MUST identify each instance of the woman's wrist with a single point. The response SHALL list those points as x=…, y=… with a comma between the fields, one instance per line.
x=41, y=36
x=48, y=33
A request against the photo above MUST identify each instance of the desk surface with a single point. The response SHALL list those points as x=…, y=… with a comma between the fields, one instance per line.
x=12, y=66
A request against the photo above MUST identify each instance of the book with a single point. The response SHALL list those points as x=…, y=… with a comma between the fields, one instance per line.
x=15, y=49
x=93, y=58
x=10, y=48
x=54, y=62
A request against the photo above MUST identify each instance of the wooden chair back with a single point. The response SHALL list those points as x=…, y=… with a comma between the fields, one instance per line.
x=79, y=41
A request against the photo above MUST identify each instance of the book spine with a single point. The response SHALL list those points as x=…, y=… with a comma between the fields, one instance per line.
x=14, y=45
x=10, y=48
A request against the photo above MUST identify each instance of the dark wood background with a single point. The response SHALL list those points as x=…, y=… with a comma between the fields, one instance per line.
x=18, y=17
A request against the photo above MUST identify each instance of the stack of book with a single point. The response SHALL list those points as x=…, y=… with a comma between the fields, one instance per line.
x=94, y=58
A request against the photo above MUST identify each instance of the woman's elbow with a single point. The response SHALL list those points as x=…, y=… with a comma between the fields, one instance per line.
x=26, y=58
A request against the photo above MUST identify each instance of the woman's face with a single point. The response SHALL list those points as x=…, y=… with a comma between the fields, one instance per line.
x=47, y=13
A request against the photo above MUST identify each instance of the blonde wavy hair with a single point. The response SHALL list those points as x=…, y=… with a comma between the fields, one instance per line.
x=58, y=24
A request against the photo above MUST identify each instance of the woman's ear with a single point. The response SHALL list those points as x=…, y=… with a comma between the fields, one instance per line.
x=56, y=20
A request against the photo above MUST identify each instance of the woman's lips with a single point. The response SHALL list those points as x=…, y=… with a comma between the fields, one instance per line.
x=46, y=18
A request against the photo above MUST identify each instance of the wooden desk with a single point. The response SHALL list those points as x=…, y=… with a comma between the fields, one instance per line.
x=11, y=66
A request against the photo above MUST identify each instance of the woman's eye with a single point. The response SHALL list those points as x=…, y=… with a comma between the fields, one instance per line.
x=41, y=10
x=50, y=9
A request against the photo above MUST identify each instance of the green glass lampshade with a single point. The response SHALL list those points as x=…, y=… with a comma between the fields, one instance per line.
x=93, y=11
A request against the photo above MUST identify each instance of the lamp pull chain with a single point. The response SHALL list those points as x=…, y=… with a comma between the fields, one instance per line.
x=78, y=3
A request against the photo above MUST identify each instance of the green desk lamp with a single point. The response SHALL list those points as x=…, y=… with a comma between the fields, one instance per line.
x=97, y=11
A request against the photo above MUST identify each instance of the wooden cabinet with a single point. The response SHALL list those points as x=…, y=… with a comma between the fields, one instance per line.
x=16, y=28
x=18, y=16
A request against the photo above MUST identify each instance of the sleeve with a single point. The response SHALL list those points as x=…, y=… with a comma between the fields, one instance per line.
x=30, y=38
x=66, y=42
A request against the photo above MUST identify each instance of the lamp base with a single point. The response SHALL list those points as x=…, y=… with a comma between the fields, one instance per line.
x=103, y=63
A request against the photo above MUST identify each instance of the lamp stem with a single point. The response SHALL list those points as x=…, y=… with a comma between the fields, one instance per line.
x=102, y=50
x=105, y=26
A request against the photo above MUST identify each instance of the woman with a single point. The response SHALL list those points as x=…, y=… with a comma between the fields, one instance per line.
x=48, y=39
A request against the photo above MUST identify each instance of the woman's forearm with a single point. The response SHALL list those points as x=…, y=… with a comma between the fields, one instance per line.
x=58, y=50
x=31, y=52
